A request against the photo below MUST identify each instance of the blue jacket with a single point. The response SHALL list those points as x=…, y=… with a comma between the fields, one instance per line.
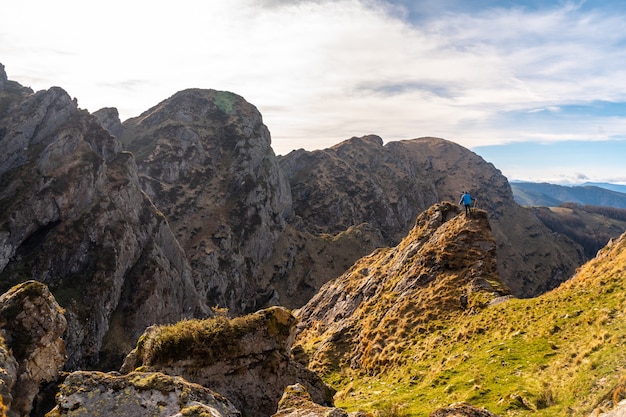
x=466, y=199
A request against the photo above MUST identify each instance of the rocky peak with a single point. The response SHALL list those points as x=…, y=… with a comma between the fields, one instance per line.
x=3, y=77
x=446, y=264
x=109, y=117
x=205, y=159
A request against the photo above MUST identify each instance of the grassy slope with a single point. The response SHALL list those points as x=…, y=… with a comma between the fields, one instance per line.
x=557, y=354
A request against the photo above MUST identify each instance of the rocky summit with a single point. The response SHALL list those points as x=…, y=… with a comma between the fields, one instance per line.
x=205, y=160
x=364, y=319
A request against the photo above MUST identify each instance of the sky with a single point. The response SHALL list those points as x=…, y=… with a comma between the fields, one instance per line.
x=538, y=88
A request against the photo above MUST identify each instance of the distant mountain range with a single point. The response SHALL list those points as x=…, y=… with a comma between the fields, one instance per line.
x=552, y=195
x=613, y=187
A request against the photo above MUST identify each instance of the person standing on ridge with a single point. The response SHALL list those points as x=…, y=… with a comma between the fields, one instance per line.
x=466, y=200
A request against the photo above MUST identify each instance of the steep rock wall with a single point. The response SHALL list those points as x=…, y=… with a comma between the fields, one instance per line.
x=205, y=159
x=72, y=215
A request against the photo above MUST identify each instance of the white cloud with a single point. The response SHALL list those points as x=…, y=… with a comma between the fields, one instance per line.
x=323, y=71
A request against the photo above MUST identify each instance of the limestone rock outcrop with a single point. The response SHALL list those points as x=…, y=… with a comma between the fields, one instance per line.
x=387, y=186
x=247, y=359
x=445, y=265
x=109, y=117
x=32, y=324
x=86, y=393
x=73, y=215
x=618, y=411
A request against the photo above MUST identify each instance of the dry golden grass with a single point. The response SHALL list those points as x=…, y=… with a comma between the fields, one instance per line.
x=408, y=291
x=409, y=341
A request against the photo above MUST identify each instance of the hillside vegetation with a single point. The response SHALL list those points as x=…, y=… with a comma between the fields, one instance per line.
x=560, y=354
x=590, y=226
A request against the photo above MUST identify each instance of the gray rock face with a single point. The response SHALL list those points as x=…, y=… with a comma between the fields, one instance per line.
x=205, y=159
x=72, y=215
x=137, y=394
x=32, y=323
x=3, y=77
x=109, y=117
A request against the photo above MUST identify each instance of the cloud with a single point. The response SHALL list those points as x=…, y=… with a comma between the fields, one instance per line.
x=323, y=71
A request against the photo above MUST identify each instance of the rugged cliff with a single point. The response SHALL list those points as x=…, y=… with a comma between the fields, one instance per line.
x=73, y=215
x=365, y=318
x=31, y=349
x=360, y=180
x=205, y=160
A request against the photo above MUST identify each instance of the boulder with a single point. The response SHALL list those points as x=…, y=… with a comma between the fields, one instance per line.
x=33, y=324
x=297, y=402
x=137, y=394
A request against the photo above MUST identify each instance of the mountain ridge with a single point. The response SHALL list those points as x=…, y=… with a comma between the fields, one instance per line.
x=546, y=194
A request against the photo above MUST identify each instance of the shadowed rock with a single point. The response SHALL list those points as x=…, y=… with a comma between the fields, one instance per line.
x=32, y=323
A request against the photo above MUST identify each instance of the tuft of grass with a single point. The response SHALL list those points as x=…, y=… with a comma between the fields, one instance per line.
x=207, y=340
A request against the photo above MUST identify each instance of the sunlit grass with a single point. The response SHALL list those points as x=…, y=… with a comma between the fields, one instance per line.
x=557, y=354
